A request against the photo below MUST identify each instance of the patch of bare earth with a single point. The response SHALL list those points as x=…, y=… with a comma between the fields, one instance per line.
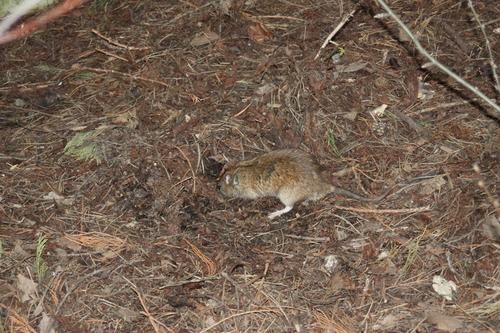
x=141, y=241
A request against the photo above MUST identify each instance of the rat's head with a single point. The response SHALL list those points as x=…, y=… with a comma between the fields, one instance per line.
x=229, y=184
x=236, y=183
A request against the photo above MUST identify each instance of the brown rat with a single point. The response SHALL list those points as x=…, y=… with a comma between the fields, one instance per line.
x=290, y=175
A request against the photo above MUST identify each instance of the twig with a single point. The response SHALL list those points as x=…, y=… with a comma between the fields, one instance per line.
x=23, y=30
x=153, y=321
x=314, y=239
x=488, y=47
x=412, y=123
x=112, y=55
x=386, y=211
x=441, y=106
x=184, y=282
x=242, y=111
x=111, y=71
x=211, y=265
x=73, y=287
x=115, y=43
x=495, y=202
x=17, y=12
x=234, y=316
x=334, y=32
x=190, y=167
x=495, y=113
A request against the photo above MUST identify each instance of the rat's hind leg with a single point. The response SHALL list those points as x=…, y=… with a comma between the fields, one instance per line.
x=280, y=212
x=288, y=198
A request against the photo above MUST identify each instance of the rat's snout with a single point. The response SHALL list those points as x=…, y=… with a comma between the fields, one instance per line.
x=221, y=188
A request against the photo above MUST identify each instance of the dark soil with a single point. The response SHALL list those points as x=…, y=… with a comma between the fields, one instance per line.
x=136, y=238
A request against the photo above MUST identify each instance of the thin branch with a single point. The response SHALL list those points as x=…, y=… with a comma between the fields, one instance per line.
x=334, y=32
x=488, y=47
x=495, y=113
x=25, y=29
x=386, y=211
x=16, y=13
x=236, y=315
x=117, y=44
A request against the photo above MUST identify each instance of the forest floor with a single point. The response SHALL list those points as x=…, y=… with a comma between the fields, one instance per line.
x=116, y=121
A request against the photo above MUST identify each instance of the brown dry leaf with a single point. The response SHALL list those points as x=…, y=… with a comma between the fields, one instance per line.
x=66, y=243
x=369, y=250
x=225, y=6
x=387, y=323
x=351, y=68
x=490, y=228
x=385, y=266
x=317, y=81
x=444, y=322
x=259, y=33
x=18, y=252
x=47, y=324
x=27, y=288
x=341, y=281
x=350, y=115
x=204, y=38
x=403, y=36
x=127, y=118
x=429, y=186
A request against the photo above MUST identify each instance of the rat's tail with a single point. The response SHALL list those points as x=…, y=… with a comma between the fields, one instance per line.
x=352, y=195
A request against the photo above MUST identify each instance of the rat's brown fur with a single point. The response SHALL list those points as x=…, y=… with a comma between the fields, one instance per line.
x=291, y=175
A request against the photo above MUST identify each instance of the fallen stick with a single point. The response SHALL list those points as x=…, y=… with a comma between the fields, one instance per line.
x=386, y=211
x=334, y=32
x=25, y=29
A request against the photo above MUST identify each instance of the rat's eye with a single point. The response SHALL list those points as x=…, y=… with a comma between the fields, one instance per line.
x=236, y=180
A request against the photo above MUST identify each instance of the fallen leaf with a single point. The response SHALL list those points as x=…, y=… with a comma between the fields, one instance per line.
x=445, y=288
x=403, y=36
x=350, y=115
x=27, y=288
x=225, y=6
x=432, y=185
x=259, y=33
x=128, y=315
x=18, y=252
x=379, y=111
x=331, y=263
x=47, y=324
x=444, y=322
x=204, y=38
x=127, y=118
x=424, y=90
x=387, y=323
x=340, y=281
x=66, y=243
x=352, y=67
x=265, y=89
x=490, y=228
x=59, y=199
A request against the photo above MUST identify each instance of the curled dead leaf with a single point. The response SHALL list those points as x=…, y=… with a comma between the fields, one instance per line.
x=259, y=33
x=204, y=38
x=444, y=322
x=27, y=288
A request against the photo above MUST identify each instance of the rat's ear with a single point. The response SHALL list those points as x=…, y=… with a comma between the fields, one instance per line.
x=227, y=179
x=236, y=180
